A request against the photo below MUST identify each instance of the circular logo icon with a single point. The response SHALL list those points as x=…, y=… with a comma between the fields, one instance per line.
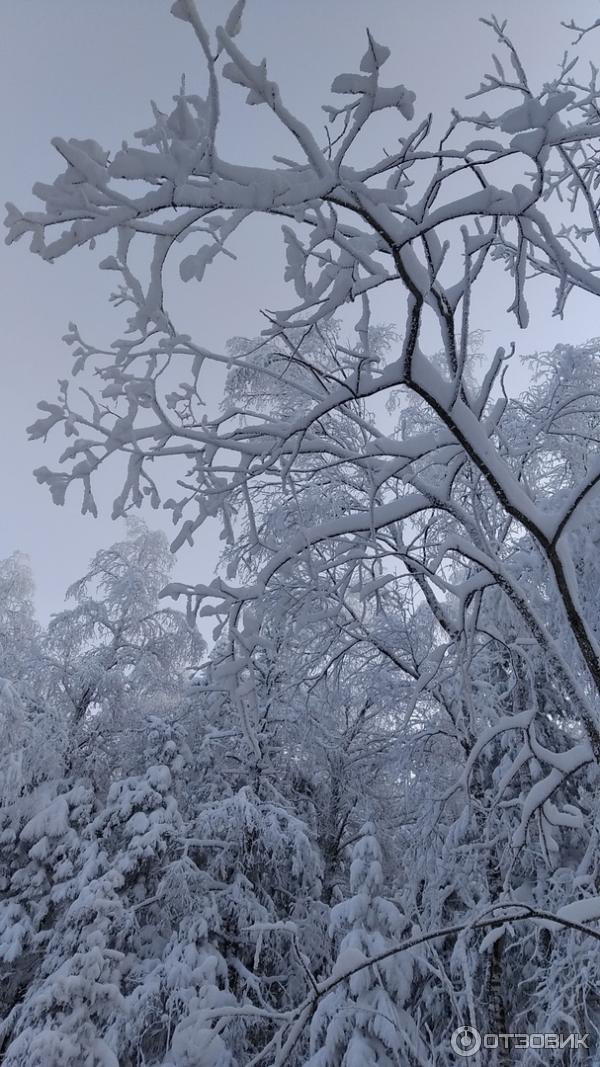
x=466, y=1041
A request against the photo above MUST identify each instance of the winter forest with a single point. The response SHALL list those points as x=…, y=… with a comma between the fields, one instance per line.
x=341, y=801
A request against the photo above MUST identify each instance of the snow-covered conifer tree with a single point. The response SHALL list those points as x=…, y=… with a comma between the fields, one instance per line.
x=363, y=1019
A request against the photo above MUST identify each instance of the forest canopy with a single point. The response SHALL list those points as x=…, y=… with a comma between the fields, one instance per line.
x=366, y=816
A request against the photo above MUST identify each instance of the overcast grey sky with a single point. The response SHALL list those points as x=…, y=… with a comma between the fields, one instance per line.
x=88, y=68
